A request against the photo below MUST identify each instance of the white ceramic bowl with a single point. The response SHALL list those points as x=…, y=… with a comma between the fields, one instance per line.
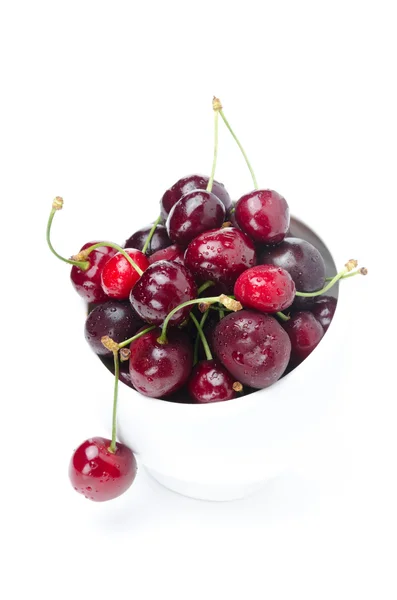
x=228, y=450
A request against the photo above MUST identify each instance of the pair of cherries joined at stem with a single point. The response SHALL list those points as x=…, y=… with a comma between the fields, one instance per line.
x=147, y=294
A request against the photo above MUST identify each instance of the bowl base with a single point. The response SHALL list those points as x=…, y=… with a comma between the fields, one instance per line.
x=209, y=492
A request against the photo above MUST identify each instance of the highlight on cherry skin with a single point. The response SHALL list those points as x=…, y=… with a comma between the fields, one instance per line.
x=209, y=303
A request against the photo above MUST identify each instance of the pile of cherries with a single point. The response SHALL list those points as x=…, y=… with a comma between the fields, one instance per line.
x=212, y=301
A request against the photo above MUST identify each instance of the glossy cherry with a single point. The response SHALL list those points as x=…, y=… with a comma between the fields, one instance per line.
x=194, y=213
x=302, y=261
x=113, y=318
x=266, y=288
x=163, y=286
x=157, y=369
x=173, y=253
x=158, y=241
x=88, y=283
x=211, y=382
x=100, y=474
x=323, y=309
x=188, y=184
x=220, y=255
x=253, y=347
x=263, y=215
x=305, y=332
x=119, y=277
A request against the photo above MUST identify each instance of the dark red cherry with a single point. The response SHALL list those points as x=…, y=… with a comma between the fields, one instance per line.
x=220, y=255
x=173, y=253
x=263, y=215
x=88, y=283
x=156, y=369
x=194, y=213
x=324, y=309
x=99, y=474
x=266, y=288
x=302, y=261
x=211, y=382
x=305, y=332
x=114, y=319
x=162, y=287
x=188, y=184
x=253, y=347
x=159, y=240
x=119, y=277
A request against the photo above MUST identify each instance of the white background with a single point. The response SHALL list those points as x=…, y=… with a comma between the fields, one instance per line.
x=107, y=104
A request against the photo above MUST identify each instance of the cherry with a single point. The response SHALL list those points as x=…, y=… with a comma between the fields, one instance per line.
x=211, y=382
x=173, y=253
x=100, y=474
x=114, y=319
x=195, y=212
x=158, y=241
x=119, y=277
x=302, y=261
x=188, y=184
x=263, y=215
x=159, y=369
x=88, y=283
x=323, y=309
x=266, y=288
x=163, y=286
x=305, y=332
x=253, y=347
x=220, y=255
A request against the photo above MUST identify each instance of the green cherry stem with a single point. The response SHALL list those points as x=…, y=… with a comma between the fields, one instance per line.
x=197, y=340
x=85, y=253
x=350, y=265
x=151, y=233
x=211, y=179
x=136, y=336
x=205, y=302
x=362, y=271
x=112, y=447
x=56, y=206
x=282, y=316
x=205, y=286
x=207, y=350
x=218, y=106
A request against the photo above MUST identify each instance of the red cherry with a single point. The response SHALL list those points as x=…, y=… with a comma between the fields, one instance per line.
x=305, y=332
x=119, y=277
x=157, y=369
x=99, y=474
x=220, y=255
x=211, y=382
x=263, y=215
x=194, y=213
x=173, y=253
x=88, y=283
x=324, y=309
x=265, y=288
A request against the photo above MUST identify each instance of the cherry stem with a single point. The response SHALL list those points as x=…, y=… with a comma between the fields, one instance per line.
x=196, y=341
x=350, y=265
x=85, y=253
x=136, y=336
x=205, y=286
x=211, y=179
x=223, y=299
x=56, y=206
x=362, y=271
x=151, y=233
x=221, y=314
x=112, y=447
x=206, y=347
x=282, y=316
x=238, y=143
